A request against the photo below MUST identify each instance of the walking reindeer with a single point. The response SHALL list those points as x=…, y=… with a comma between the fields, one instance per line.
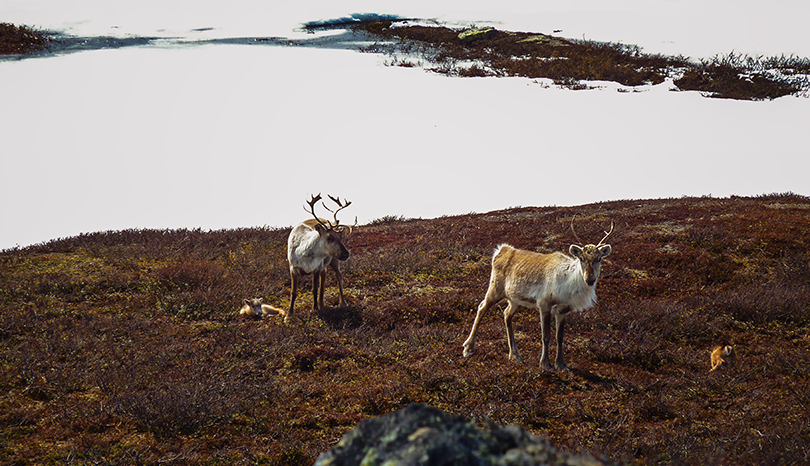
x=555, y=283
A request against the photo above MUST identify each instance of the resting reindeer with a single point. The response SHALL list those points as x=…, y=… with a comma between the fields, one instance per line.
x=314, y=245
x=722, y=357
x=255, y=308
x=554, y=283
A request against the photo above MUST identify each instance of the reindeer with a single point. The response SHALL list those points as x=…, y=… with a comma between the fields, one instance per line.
x=255, y=308
x=314, y=245
x=555, y=283
x=722, y=357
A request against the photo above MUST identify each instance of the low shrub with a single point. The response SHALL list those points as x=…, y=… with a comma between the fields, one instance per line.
x=21, y=39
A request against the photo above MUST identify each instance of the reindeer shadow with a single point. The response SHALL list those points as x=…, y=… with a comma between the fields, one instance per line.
x=337, y=318
x=594, y=378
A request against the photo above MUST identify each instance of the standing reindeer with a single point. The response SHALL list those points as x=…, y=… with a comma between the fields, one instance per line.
x=555, y=283
x=314, y=245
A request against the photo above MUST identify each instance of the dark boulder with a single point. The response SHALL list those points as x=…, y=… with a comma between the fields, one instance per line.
x=426, y=436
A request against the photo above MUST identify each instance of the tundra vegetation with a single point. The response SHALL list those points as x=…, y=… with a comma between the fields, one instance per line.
x=21, y=39
x=126, y=347
x=472, y=52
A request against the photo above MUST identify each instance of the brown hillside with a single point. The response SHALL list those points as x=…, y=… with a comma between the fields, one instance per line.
x=125, y=347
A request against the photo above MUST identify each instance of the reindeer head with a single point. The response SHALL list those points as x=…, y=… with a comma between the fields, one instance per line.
x=255, y=305
x=331, y=233
x=590, y=256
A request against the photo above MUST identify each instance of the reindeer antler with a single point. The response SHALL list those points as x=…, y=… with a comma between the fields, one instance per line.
x=607, y=233
x=314, y=200
x=342, y=206
x=573, y=231
x=343, y=228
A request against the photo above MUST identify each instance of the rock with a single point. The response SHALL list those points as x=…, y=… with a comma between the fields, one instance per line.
x=422, y=435
x=544, y=39
x=471, y=35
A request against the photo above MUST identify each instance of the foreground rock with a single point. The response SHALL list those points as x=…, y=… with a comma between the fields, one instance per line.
x=421, y=435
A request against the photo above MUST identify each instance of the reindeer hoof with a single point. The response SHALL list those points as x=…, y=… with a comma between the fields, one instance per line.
x=561, y=367
x=468, y=351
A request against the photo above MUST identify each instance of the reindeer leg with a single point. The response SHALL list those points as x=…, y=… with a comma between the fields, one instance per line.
x=560, y=363
x=559, y=312
x=545, y=325
x=336, y=267
x=490, y=299
x=295, y=278
x=514, y=355
x=322, y=290
x=315, y=278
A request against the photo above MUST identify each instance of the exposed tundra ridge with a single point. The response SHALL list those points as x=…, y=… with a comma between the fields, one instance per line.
x=472, y=52
x=127, y=347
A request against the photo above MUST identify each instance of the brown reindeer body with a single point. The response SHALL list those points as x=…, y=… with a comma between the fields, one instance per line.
x=555, y=283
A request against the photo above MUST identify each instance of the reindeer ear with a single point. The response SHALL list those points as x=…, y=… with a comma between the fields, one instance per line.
x=575, y=251
x=605, y=250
